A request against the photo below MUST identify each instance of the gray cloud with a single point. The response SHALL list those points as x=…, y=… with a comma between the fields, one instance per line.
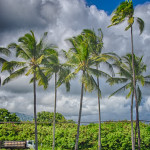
x=20, y=14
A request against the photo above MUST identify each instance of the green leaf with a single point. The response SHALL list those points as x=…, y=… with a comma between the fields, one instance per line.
x=128, y=27
x=139, y=95
x=119, y=90
x=5, y=51
x=15, y=74
x=141, y=24
x=39, y=60
x=129, y=94
x=12, y=65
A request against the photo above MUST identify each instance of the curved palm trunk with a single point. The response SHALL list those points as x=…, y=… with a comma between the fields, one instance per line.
x=136, y=100
x=35, y=119
x=99, y=113
x=132, y=133
x=54, y=118
x=79, y=119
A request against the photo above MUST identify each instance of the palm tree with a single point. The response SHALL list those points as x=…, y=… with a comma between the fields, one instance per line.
x=53, y=66
x=123, y=11
x=32, y=52
x=6, y=52
x=95, y=47
x=78, y=57
x=126, y=77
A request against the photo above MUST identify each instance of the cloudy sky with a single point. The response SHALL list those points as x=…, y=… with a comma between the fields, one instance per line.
x=63, y=19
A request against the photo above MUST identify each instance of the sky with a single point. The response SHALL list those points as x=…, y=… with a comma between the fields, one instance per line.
x=64, y=19
x=110, y=5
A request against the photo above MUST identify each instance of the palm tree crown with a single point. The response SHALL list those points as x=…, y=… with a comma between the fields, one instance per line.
x=126, y=75
x=123, y=11
x=33, y=53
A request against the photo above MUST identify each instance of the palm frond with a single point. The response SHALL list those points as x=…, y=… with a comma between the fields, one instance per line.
x=12, y=65
x=30, y=71
x=98, y=73
x=5, y=51
x=123, y=88
x=15, y=74
x=141, y=24
x=62, y=74
x=22, y=52
x=140, y=78
x=139, y=95
x=40, y=59
x=128, y=27
x=42, y=79
x=114, y=80
x=110, y=68
x=89, y=83
x=2, y=60
x=129, y=94
x=12, y=45
x=70, y=76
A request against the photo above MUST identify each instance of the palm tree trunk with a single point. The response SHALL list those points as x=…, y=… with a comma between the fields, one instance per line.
x=54, y=118
x=35, y=119
x=135, y=134
x=79, y=119
x=132, y=133
x=136, y=100
x=99, y=112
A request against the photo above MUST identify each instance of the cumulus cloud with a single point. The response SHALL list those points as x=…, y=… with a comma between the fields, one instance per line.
x=64, y=19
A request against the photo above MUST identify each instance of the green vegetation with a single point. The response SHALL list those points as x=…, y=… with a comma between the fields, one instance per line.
x=115, y=136
x=45, y=116
x=6, y=116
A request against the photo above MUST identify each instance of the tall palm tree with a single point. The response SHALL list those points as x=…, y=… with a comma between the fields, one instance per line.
x=123, y=11
x=52, y=66
x=78, y=57
x=6, y=52
x=126, y=77
x=32, y=52
x=95, y=47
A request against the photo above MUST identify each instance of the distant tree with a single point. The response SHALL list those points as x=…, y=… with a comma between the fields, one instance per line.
x=6, y=116
x=71, y=121
x=45, y=116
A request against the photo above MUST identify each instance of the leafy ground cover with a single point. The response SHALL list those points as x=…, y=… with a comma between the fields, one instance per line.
x=115, y=136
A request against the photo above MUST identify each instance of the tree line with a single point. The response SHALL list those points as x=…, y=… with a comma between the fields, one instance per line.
x=83, y=59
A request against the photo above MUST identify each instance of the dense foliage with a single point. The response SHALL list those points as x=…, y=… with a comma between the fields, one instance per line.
x=6, y=116
x=45, y=116
x=115, y=136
